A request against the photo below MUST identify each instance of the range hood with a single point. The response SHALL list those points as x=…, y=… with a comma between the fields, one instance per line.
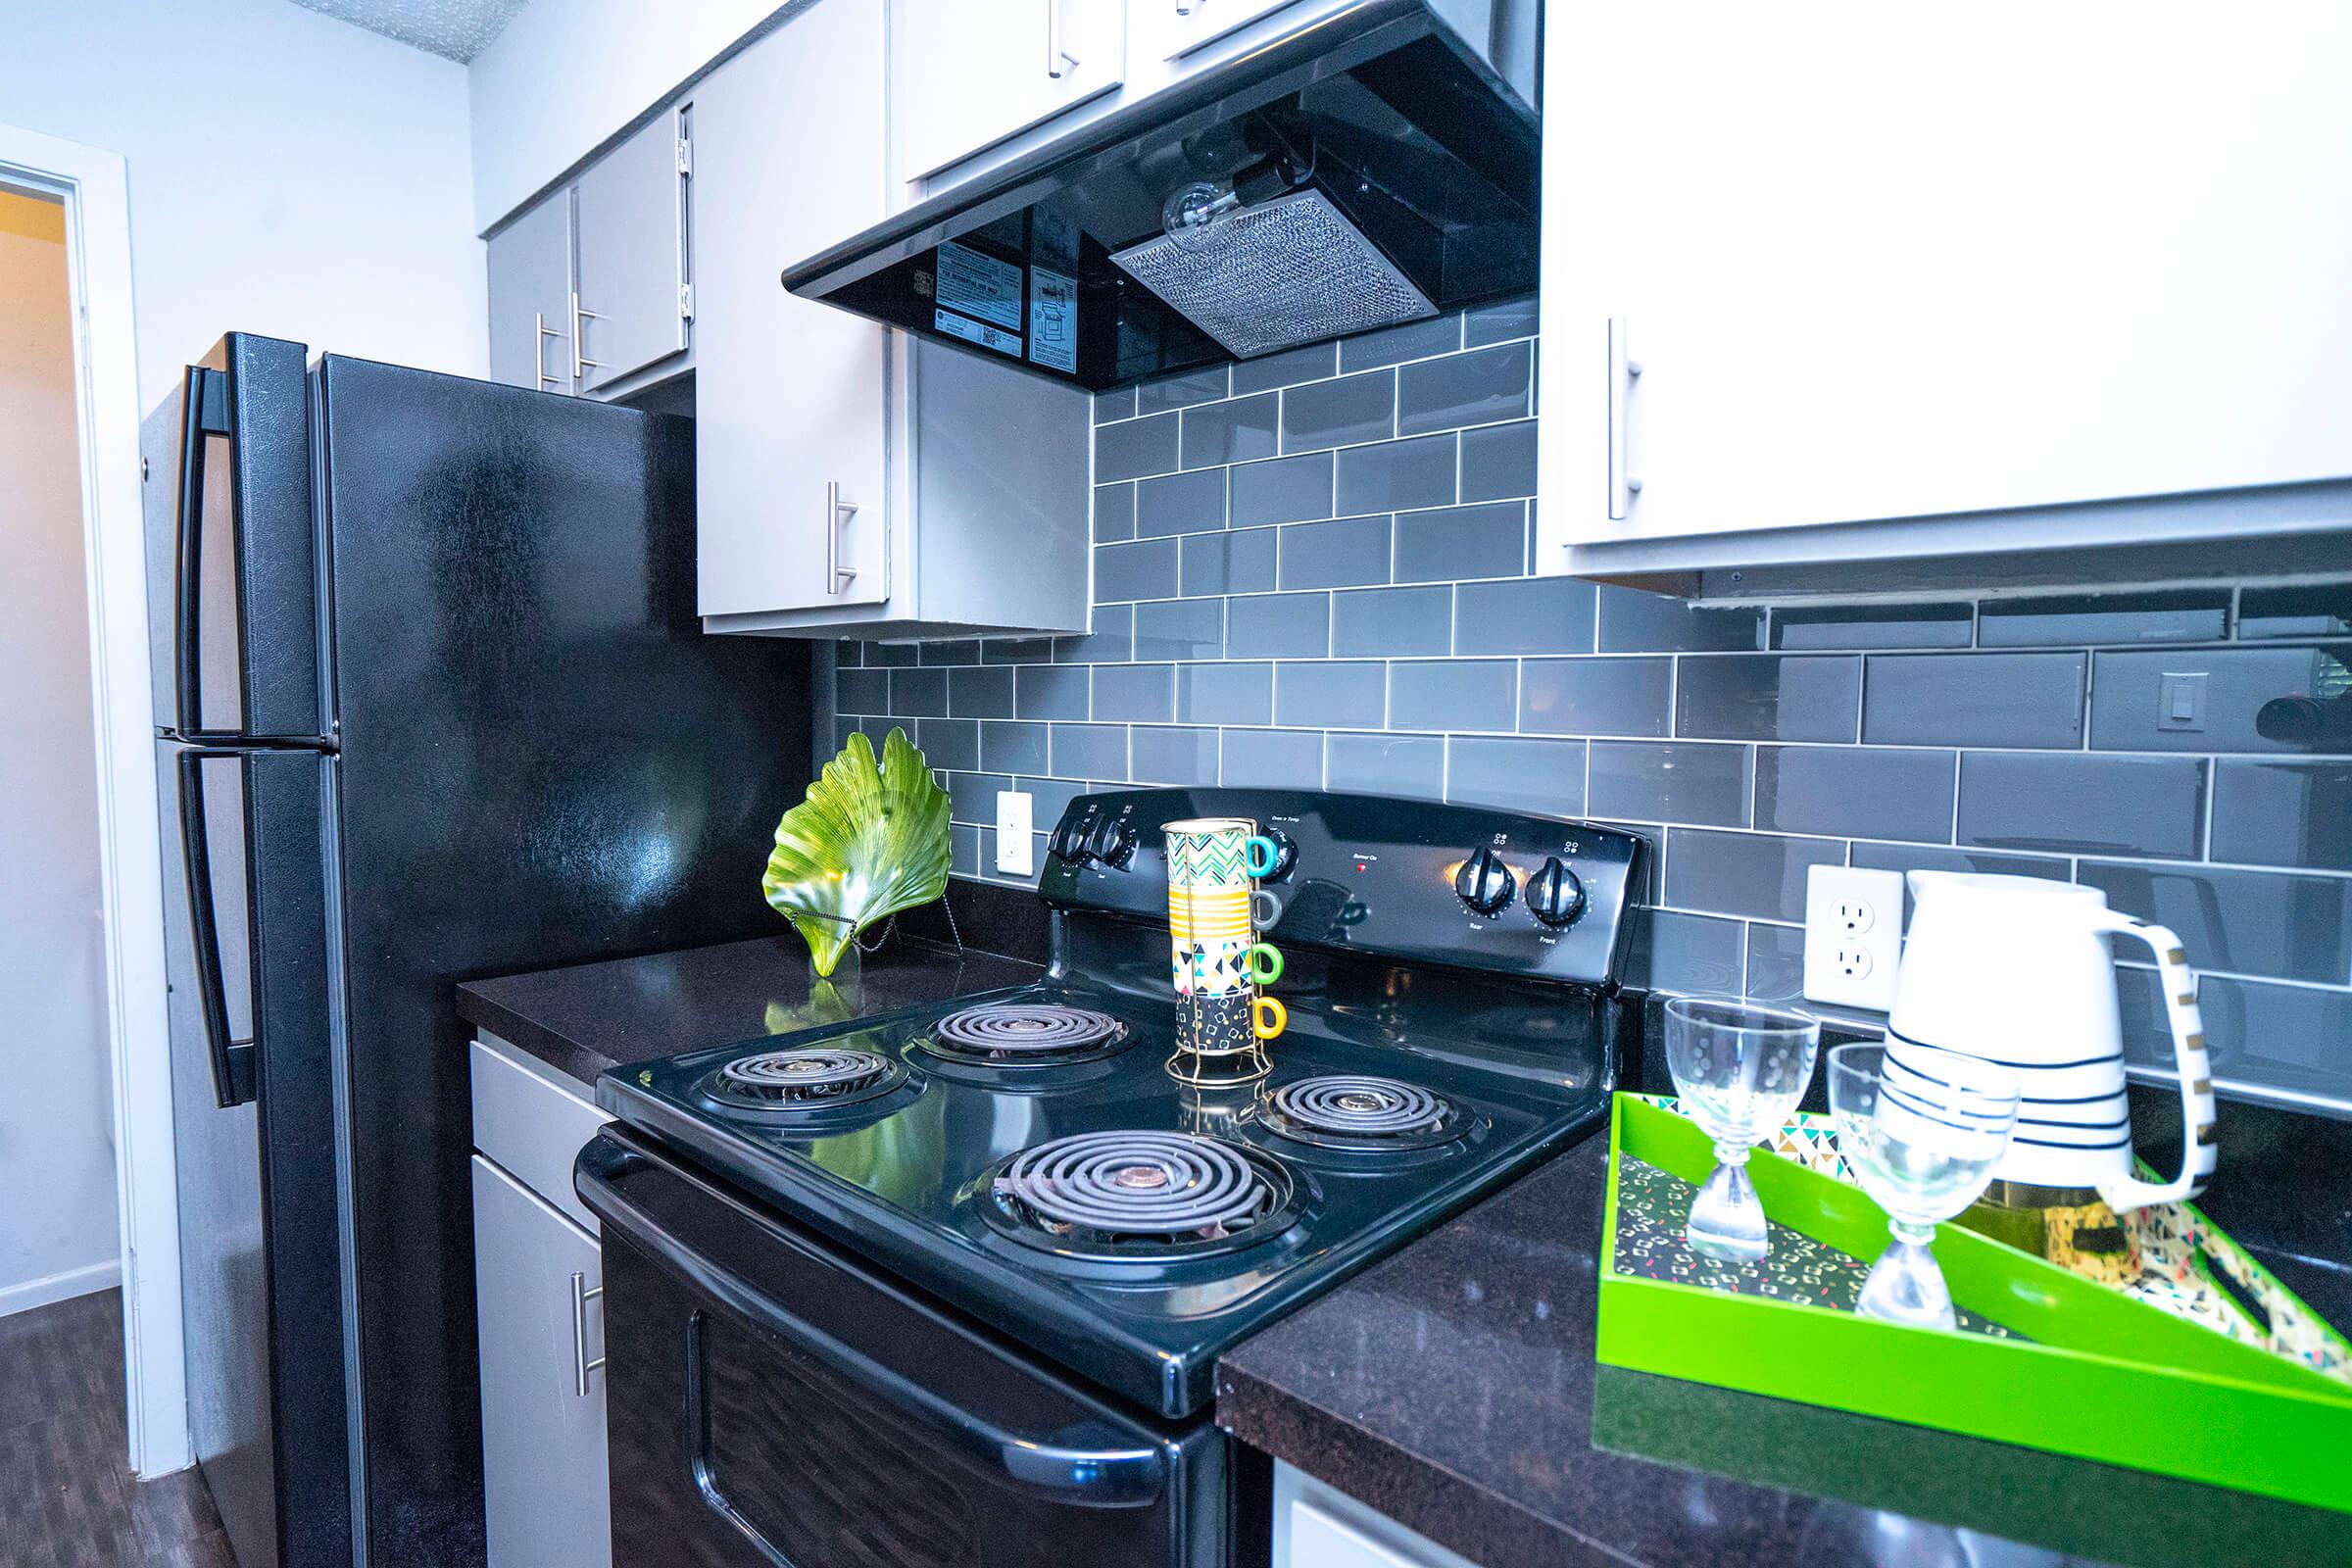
x=1376, y=167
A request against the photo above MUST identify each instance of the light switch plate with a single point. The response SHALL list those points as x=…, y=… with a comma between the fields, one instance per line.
x=1853, y=934
x=1014, y=851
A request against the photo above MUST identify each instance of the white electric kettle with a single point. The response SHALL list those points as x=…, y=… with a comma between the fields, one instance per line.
x=2017, y=970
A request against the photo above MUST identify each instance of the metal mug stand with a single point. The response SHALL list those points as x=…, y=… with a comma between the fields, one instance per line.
x=1213, y=1070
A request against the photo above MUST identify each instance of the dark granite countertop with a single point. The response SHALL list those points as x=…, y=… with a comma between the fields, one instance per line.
x=588, y=1017
x=1453, y=1389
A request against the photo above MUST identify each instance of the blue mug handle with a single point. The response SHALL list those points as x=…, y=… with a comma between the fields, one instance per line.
x=1259, y=854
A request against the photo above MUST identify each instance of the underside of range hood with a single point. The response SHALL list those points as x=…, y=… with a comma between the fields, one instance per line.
x=1374, y=168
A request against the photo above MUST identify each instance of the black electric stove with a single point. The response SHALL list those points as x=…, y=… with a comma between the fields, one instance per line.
x=1025, y=1162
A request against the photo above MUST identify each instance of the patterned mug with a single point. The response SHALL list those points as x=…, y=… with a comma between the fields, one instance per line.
x=1215, y=960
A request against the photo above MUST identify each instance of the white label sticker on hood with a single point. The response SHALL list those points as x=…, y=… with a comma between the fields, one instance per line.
x=979, y=286
x=1053, y=320
x=977, y=332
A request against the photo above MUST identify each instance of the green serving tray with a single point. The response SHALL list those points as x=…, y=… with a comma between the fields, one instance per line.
x=2097, y=1375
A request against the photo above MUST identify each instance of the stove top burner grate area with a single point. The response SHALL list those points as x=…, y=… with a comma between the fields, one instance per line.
x=1352, y=1111
x=1026, y=1033
x=1141, y=1195
x=790, y=1080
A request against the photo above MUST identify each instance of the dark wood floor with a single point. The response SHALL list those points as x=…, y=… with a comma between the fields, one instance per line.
x=67, y=1496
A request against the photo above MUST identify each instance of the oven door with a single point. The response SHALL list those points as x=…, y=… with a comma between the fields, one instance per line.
x=774, y=1404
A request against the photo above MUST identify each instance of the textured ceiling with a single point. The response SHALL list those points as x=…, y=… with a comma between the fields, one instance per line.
x=457, y=29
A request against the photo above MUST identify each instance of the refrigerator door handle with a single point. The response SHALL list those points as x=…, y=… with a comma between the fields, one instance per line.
x=204, y=411
x=232, y=1059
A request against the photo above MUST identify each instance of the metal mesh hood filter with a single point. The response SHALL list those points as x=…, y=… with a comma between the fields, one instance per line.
x=1293, y=270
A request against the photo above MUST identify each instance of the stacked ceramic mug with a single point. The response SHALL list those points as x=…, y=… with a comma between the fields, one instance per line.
x=1215, y=957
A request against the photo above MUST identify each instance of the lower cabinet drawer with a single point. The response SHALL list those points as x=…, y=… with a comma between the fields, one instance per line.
x=532, y=1121
x=1316, y=1527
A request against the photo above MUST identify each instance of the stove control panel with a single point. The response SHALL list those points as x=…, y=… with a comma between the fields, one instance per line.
x=1420, y=880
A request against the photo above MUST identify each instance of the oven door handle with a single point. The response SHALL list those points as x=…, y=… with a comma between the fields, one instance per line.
x=1048, y=1465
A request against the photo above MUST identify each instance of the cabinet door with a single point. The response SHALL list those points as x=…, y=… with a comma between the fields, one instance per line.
x=632, y=229
x=1164, y=29
x=530, y=298
x=538, y=1281
x=789, y=394
x=1873, y=266
x=971, y=73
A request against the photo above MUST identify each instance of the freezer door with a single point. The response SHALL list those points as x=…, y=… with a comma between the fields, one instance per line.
x=239, y=574
x=253, y=1117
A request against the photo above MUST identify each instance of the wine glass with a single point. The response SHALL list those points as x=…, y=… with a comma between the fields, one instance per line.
x=1922, y=1129
x=1740, y=1070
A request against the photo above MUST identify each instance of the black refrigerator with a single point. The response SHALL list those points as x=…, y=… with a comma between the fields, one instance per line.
x=433, y=703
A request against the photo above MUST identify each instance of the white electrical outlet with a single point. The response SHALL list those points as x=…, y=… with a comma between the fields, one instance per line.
x=1853, y=934
x=1014, y=851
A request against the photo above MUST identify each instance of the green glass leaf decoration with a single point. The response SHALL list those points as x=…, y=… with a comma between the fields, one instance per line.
x=868, y=842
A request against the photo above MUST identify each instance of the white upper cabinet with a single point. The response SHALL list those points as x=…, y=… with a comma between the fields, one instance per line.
x=1876, y=265
x=971, y=73
x=631, y=214
x=1168, y=29
x=789, y=394
x=530, y=298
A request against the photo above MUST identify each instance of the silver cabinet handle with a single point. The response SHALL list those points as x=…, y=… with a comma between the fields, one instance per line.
x=543, y=333
x=1058, y=60
x=838, y=577
x=580, y=367
x=1623, y=370
x=581, y=1295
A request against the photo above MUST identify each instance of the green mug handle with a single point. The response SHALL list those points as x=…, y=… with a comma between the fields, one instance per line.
x=1264, y=963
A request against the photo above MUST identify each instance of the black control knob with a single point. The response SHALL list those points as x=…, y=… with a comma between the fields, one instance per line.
x=1069, y=840
x=1484, y=882
x=1553, y=894
x=1286, y=854
x=1112, y=842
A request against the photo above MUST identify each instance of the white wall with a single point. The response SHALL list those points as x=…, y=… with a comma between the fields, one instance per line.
x=567, y=73
x=57, y=1236
x=289, y=173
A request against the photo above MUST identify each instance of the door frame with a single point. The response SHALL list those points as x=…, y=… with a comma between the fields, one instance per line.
x=94, y=185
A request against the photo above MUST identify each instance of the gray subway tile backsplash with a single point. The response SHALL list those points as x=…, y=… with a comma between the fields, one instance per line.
x=2283, y=813
x=1767, y=697
x=1480, y=387
x=2248, y=922
x=1231, y=432
x=1761, y=875
x=1340, y=412
x=1387, y=622
x=2194, y=616
x=1385, y=764
x=1180, y=503
x=1394, y=475
x=2082, y=804
x=1282, y=490
x=1181, y=390
x=1455, y=543
x=2025, y=699
x=1749, y=744
x=1596, y=697
x=1859, y=791
x=1671, y=781
x=1454, y=694
x=1334, y=693
x=1518, y=774
x=2261, y=699
x=1349, y=553
x=1217, y=564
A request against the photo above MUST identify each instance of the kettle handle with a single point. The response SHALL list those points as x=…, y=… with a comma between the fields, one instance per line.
x=2124, y=1193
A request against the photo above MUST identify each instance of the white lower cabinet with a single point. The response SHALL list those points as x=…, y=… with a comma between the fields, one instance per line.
x=538, y=1276
x=539, y=1280
x=1316, y=1527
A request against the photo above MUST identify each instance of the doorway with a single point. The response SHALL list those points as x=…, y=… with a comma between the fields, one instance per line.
x=56, y=1119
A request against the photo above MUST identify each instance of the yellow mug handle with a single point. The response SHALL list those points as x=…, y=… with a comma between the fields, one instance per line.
x=1259, y=1007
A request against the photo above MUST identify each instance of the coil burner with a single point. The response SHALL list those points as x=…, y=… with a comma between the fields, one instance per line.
x=1358, y=1114
x=803, y=1080
x=1140, y=1195
x=1025, y=1034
